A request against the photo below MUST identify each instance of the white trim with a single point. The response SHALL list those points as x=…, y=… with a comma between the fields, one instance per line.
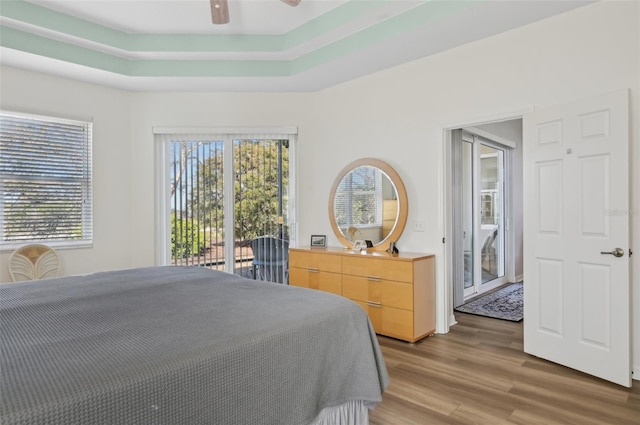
x=286, y=130
x=293, y=190
x=444, y=290
x=67, y=119
x=489, y=119
x=57, y=245
x=492, y=137
x=162, y=214
x=228, y=190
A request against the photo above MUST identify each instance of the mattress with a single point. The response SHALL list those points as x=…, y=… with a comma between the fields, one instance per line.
x=180, y=345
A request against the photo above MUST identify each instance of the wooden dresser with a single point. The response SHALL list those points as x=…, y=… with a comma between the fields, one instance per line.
x=398, y=292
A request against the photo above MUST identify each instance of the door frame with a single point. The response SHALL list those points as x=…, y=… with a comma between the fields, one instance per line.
x=445, y=317
x=507, y=148
x=162, y=245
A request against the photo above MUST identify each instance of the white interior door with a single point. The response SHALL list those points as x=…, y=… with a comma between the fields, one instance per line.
x=576, y=208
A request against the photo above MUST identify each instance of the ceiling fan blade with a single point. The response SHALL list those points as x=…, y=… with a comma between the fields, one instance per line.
x=219, y=12
x=293, y=3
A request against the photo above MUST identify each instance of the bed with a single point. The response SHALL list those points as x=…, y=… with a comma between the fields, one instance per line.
x=183, y=346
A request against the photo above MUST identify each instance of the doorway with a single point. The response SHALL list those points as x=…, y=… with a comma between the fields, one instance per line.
x=568, y=233
x=225, y=201
x=484, y=169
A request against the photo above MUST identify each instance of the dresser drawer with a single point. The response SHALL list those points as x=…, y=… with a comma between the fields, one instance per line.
x=315, y=261
x=396, y=291
x=323, y=281
x=399, y=271
x=389, y=321
x=385, y=292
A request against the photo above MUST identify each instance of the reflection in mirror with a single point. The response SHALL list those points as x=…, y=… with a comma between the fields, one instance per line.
x=366, y=205
x=368, y=201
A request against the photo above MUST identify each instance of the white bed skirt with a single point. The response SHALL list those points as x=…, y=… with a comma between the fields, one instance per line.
x=349, y=413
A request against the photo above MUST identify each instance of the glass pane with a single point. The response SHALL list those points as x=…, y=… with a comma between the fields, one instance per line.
x=491, y=212
x=260, y=240
x=261, y=172
x=197, y=203
x=467, y=215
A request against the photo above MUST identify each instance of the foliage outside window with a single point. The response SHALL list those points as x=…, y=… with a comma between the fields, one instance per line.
x=260, y=182
x=358, y=198
x=45, y=180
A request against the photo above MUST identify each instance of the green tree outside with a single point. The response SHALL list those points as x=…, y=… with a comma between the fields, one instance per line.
x=261, y=180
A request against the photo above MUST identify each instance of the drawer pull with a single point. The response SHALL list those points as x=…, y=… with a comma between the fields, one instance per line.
x=374, y=304
x=374, y=278
x=312, y=270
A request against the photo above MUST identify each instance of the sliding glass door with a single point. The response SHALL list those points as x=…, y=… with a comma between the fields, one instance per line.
x=226, y=203
x=482, y=167
x=468, y=222
x=491, y=213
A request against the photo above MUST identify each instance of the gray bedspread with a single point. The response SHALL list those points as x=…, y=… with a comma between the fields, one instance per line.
x=180, y=346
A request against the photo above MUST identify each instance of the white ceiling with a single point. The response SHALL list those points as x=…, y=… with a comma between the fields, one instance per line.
x=170, y=45
x=193, y=16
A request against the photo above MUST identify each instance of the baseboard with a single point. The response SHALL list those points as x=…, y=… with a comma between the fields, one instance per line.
x=519, y=278
x=635, y=373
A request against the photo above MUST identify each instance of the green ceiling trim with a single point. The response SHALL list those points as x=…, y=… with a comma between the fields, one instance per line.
x=43, y=46
x=39, y=16
x=27, y=42
x=203, y=43
x=400, y=24
x=188, y=68
x=30, y=13
x=333, y=19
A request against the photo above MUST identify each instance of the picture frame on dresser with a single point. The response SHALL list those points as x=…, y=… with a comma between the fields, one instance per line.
x=318, y=241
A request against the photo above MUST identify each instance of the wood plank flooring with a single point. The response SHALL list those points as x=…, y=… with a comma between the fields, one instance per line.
x=479, y=374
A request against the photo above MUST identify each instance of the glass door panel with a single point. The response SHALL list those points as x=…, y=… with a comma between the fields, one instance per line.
x=197, y=238
x=467, y=215
x=481, y=166
x=261, y=194
x=491, y=213
x=229, y=205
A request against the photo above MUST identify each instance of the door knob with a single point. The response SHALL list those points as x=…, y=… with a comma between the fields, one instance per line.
x=617, y=252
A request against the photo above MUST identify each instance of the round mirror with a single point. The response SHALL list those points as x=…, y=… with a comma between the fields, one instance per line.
x=368, y=201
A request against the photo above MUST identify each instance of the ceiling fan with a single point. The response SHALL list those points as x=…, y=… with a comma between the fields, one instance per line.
x=220, y=10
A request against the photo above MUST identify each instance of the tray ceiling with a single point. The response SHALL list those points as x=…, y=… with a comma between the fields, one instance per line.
x=170, y=45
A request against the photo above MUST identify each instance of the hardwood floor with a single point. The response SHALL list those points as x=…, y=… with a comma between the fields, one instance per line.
x=479, y=374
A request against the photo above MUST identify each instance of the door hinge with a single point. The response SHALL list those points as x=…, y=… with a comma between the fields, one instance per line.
x=630, y=252
x=442, y=240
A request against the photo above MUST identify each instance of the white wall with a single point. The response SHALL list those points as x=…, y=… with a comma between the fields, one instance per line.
x=399, y=114
x=45, y=95
x=396, y=115
x=191, y=110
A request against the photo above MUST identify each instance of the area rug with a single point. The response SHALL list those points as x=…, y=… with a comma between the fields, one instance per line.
x=505, y=303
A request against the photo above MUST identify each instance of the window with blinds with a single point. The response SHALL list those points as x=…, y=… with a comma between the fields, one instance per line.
x=359, y=198
x=45, y=180
x=227, y=204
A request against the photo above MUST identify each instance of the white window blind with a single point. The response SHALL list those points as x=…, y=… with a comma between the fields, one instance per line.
x=45, y=180
x=359, y=198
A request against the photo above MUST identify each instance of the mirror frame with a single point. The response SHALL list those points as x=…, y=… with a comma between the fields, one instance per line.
x=403, y=202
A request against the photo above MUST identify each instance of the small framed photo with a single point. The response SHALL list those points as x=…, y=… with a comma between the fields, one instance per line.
x=318, y=241
x=359, y=245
